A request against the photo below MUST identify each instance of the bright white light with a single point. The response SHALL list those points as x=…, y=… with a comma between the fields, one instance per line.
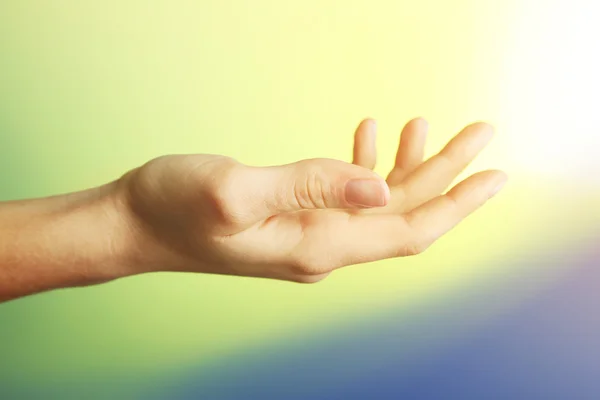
x=552, y=101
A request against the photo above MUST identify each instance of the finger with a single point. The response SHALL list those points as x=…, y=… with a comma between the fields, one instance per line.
x=365, y=152
x=367, y=238
x=439, y=215
x=433, y=176
x=311, y=184
x=410, y=150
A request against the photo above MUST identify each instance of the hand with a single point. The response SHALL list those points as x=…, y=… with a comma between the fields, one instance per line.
x=301, y=221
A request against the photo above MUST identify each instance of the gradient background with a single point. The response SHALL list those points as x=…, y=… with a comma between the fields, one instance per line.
x=504, y=307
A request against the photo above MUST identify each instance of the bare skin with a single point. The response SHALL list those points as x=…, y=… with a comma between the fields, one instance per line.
x=211, y=214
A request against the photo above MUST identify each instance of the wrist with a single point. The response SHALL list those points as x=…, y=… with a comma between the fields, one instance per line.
x=95, y=234
x=114, y=233
x=143, y=251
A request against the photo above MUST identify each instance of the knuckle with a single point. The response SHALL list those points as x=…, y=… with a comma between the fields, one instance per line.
x=223, y=188
x=448, y=158
x=309, y=279
x=415, y=248
x=306, y=266
x=312, y=191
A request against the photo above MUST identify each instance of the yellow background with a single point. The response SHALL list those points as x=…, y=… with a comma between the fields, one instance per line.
x=91, y=89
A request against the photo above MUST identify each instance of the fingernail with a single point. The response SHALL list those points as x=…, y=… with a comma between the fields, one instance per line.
x=373, y=128
x=366, y=193
x=423, y=122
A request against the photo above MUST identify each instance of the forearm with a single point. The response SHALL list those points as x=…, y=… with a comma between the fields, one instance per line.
x=77, y=239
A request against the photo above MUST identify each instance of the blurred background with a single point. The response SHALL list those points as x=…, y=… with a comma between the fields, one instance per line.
x=503, y=307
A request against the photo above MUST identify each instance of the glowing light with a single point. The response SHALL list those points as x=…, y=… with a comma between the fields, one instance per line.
x=551, y=101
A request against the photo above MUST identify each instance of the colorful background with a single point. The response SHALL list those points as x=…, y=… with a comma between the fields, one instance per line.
x=504, y=307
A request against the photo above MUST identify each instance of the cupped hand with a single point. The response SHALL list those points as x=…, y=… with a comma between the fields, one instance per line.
x=301, y=221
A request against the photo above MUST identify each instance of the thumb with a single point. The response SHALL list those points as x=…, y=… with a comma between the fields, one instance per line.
x=316, y=184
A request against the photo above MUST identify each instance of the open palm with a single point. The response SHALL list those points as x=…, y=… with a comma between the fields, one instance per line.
x=307, y=245
x=299, y=222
